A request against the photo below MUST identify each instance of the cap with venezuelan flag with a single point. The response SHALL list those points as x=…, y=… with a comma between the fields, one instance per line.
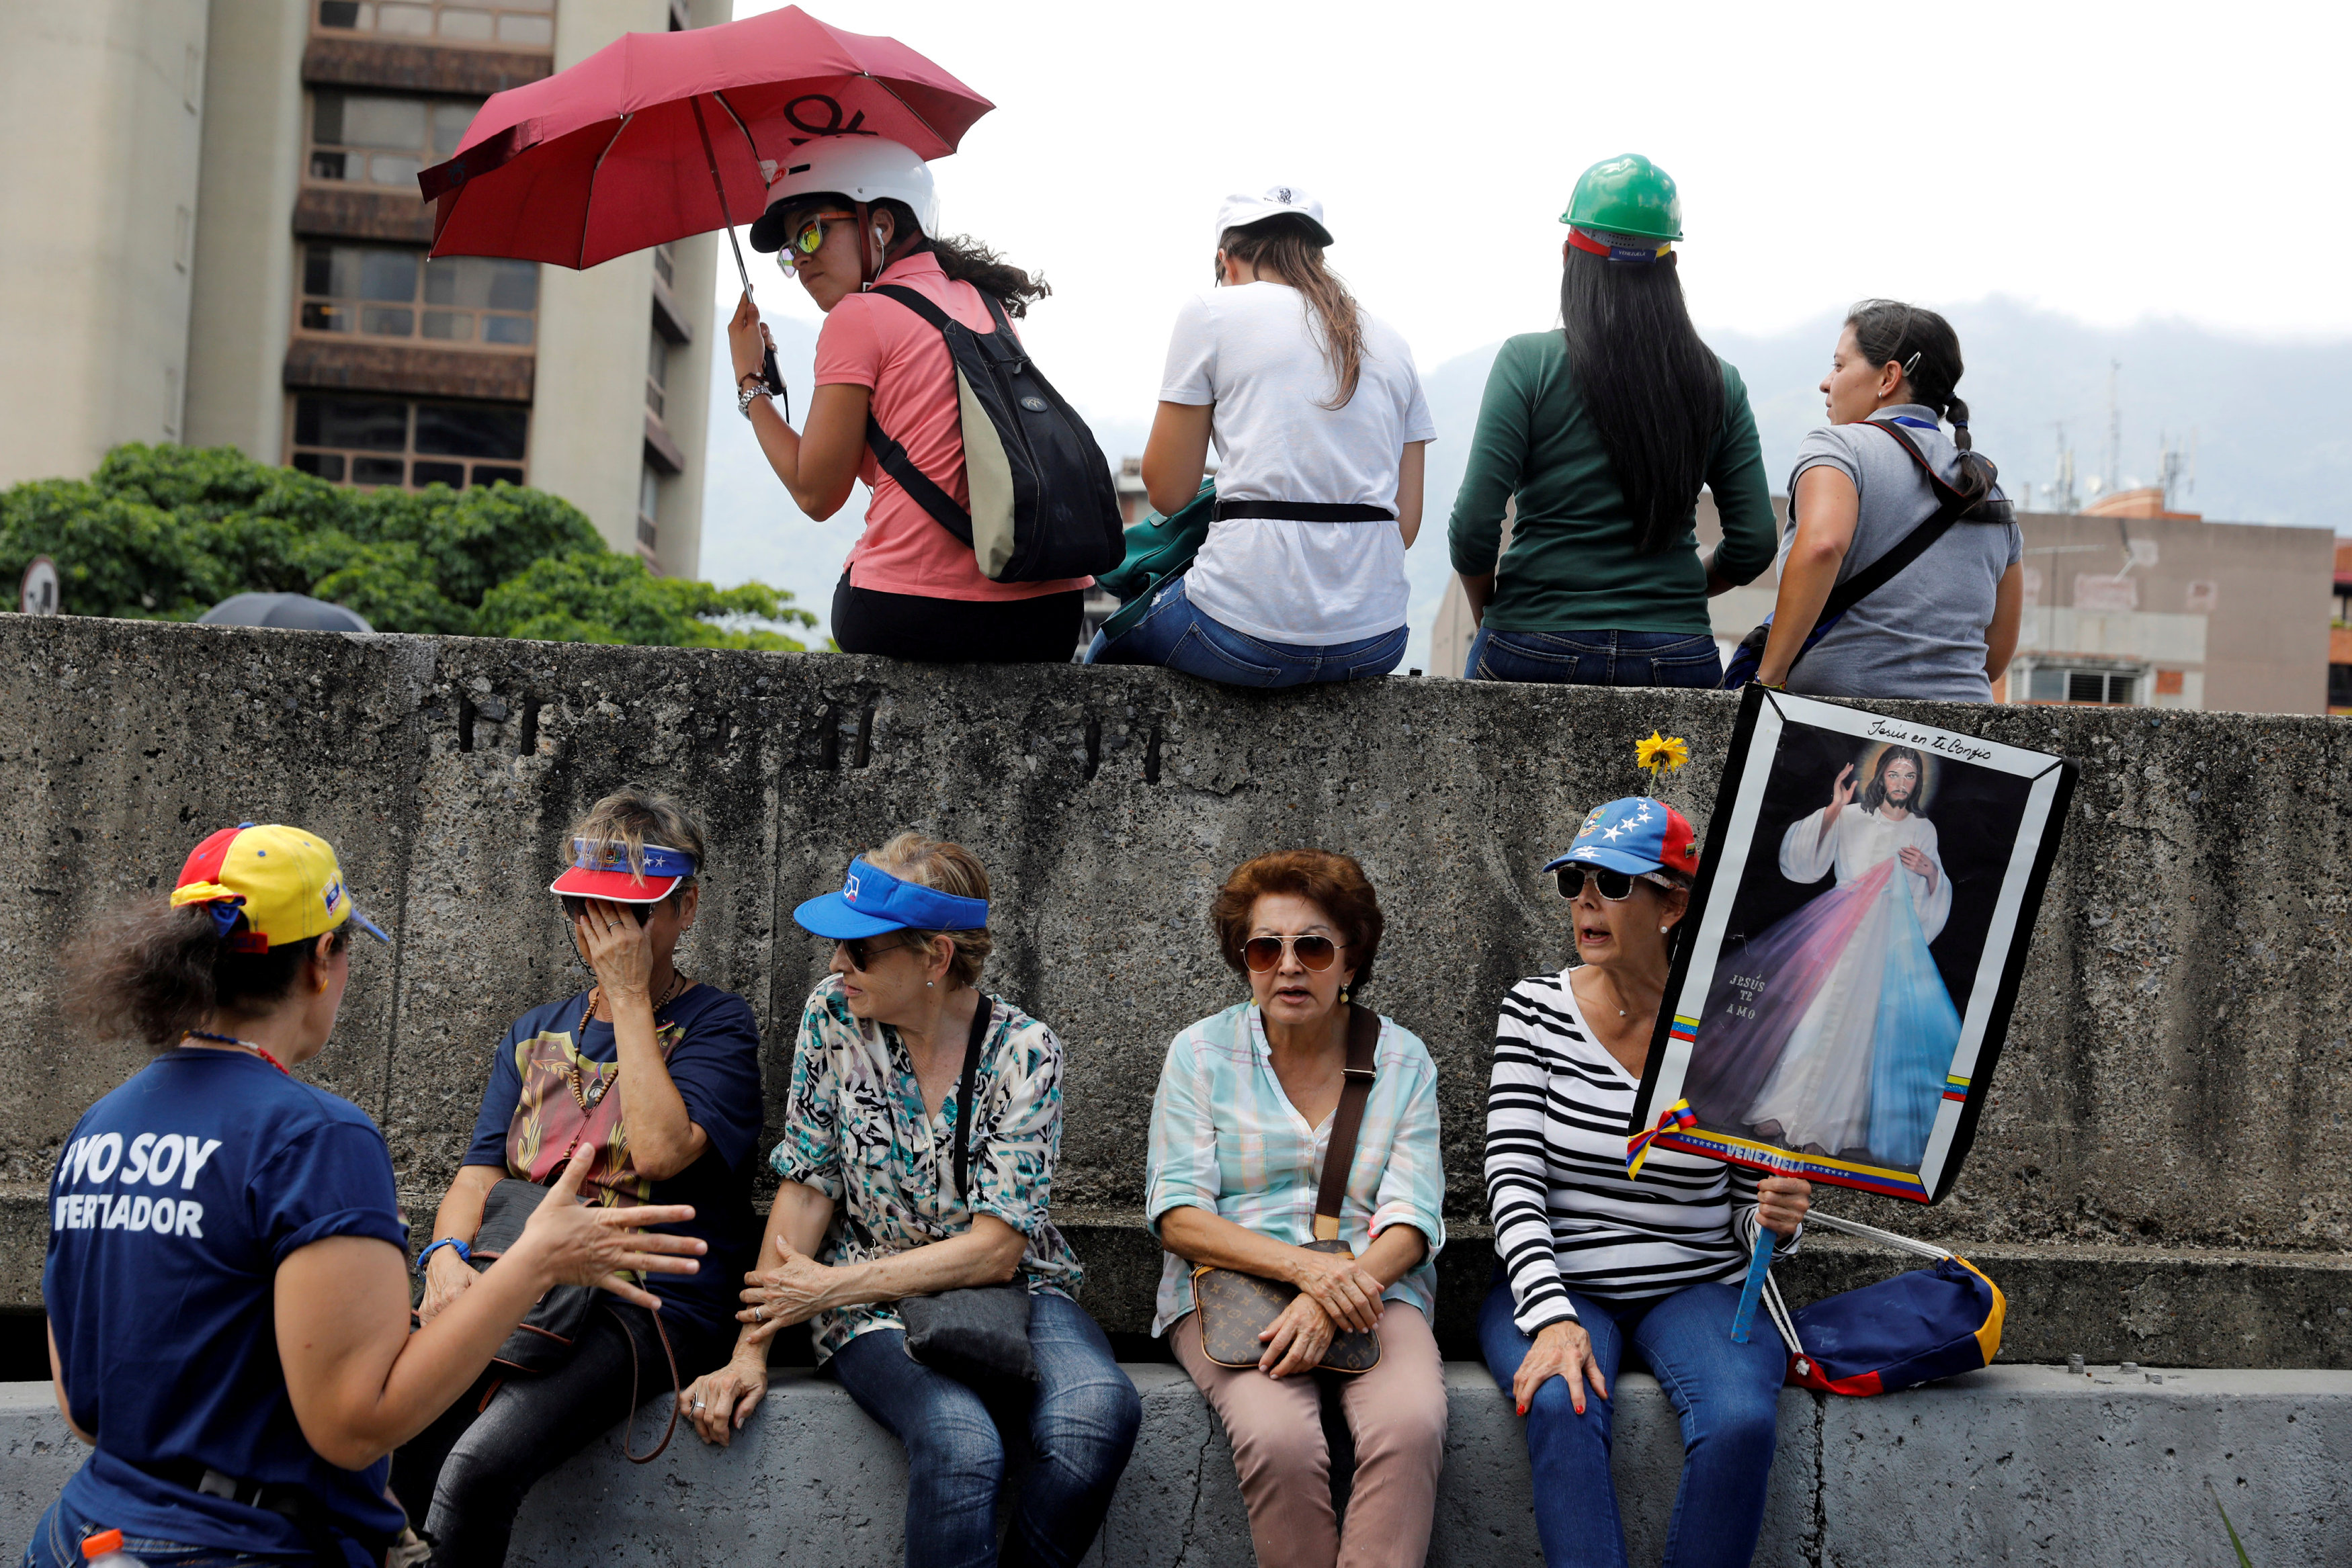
x=287, y=884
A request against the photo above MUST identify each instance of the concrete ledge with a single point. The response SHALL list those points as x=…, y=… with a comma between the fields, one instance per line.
x=2013, y=1465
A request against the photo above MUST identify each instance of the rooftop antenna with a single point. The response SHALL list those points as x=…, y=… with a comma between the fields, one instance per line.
x=2175, y=466
x=2115, y=430
x=2063, y=497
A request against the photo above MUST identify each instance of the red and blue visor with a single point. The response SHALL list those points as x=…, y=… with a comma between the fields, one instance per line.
x=1618, y=247
x=1639, y=833
x=872, y=901
x=603, y=870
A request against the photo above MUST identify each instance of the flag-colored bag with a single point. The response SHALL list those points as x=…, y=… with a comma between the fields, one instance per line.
x=1915, y=1328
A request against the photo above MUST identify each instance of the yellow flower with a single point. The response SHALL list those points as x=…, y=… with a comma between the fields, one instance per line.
x=1660, y=753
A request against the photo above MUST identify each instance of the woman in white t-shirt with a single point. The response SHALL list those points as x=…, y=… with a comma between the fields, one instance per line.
x=1319, y=426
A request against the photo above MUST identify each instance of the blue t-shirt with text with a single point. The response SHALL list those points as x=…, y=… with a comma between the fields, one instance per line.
x=177, y=1198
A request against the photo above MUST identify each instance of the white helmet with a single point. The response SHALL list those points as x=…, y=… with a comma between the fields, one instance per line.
x=863, y=168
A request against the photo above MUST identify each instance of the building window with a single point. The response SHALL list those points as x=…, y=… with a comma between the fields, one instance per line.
x=374, y=139
x=518, y=24
x=383, y=292
x=656, y=371
x=665, y=265
x=2067, y=683
x=648, y=505
x=409, y=442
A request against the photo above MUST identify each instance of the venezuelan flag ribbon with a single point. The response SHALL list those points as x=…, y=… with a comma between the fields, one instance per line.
x=1637, y=1148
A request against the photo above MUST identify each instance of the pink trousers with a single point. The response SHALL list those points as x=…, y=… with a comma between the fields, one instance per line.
x=1396, y=1413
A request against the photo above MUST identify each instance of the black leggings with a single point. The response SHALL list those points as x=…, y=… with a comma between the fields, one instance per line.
x=1040, y=631
x=462, y=1480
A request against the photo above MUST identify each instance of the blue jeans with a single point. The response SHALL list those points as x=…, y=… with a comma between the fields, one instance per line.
x=1727, y=1394
x=56, y=1543
x=1175, y=634
x=1080, y=1426
x=1595, y=658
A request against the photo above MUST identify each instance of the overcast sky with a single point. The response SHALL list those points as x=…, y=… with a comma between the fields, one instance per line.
x=2109, y=162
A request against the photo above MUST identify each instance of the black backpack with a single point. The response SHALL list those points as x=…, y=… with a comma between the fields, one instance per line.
x=1042, y=502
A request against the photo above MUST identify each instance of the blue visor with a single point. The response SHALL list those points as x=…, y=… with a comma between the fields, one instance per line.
x=872, y=901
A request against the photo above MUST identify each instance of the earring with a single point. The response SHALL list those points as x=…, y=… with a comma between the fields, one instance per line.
x=926, y=984
x=1664, y=929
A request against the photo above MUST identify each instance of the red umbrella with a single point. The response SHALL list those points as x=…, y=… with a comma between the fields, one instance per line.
x=663, y=135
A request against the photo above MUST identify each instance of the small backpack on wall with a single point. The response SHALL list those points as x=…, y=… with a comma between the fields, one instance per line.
x=1043, y=505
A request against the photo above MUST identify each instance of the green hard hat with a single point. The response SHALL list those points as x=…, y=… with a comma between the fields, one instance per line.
x=1626, y=195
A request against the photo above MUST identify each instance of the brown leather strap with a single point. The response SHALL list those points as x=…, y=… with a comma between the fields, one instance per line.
x=1363, y=1036
x=676, y=1397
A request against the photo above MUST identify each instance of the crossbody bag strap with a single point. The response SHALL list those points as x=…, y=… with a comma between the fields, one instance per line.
x=1364, y=1037
x=1908, y=548
x=920, y=486
x=979, y=1022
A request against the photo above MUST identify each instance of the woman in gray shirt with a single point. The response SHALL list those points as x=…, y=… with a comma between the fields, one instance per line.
x=1946, y=625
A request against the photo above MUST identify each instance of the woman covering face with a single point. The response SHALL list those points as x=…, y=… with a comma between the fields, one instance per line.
x=1592, y=1267
x=870, y=1211
x=655, y=1076
x=1245, y=1112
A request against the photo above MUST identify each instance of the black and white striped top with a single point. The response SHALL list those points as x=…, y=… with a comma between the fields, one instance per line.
x=1558, y=1113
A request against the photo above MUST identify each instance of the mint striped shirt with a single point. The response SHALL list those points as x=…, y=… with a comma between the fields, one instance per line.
x=1225, y=1138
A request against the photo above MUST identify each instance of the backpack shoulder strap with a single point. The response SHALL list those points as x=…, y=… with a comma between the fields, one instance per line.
x=1911, y=546
x=893, y=456
x=1348, y=1120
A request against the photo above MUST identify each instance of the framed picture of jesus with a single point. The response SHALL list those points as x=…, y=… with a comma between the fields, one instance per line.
x=1854, y=946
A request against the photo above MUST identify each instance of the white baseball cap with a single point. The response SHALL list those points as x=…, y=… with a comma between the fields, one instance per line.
x=1276, y=200
x=863, y=168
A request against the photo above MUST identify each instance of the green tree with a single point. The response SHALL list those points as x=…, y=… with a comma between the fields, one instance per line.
x=166, y=532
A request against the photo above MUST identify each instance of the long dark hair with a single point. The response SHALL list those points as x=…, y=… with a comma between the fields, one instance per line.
x=1889, y=331
x=1655, y=391
x=1281, y=243
x=1873, y=794
x=966, y=260
x=152, y=973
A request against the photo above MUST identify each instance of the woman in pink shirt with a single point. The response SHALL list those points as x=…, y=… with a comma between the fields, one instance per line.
x=853, y=213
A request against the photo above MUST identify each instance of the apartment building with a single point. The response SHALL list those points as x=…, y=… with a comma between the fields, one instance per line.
x=215, y=237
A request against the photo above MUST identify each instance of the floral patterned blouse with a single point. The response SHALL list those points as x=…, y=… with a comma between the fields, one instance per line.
x=854, y=1131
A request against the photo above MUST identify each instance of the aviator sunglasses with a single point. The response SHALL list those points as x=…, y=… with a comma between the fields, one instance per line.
x=807, y=238
x=1315, y=952
x=1616, y=886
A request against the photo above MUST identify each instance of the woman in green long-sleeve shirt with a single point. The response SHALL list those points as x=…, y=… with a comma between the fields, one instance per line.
x=1605, y=433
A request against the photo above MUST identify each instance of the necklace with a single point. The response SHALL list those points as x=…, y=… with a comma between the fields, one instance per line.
x=678, y=984
x=232, y=1040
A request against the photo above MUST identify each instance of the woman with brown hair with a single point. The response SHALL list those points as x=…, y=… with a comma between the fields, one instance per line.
x=227, y=1280
x=921, y=1131
x=658, y=1074
x=1320, y=429
x=1249, y=1104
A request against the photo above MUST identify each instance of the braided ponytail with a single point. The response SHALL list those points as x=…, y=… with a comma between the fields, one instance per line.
x=1924, y=344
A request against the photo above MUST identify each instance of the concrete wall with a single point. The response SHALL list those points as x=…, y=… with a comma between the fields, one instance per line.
x=101, y=101
x=243, y=310
x=2021, y=1466
x=2162, y=1169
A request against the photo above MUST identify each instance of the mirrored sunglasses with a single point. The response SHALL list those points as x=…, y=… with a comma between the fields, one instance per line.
x=1262, y=954
x=807, y=238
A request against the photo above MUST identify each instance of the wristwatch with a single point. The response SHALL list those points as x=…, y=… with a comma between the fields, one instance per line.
x=464, y=1251
x=744, y=395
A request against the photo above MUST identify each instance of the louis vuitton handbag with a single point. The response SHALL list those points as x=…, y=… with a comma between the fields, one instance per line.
x=1235, y=1307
